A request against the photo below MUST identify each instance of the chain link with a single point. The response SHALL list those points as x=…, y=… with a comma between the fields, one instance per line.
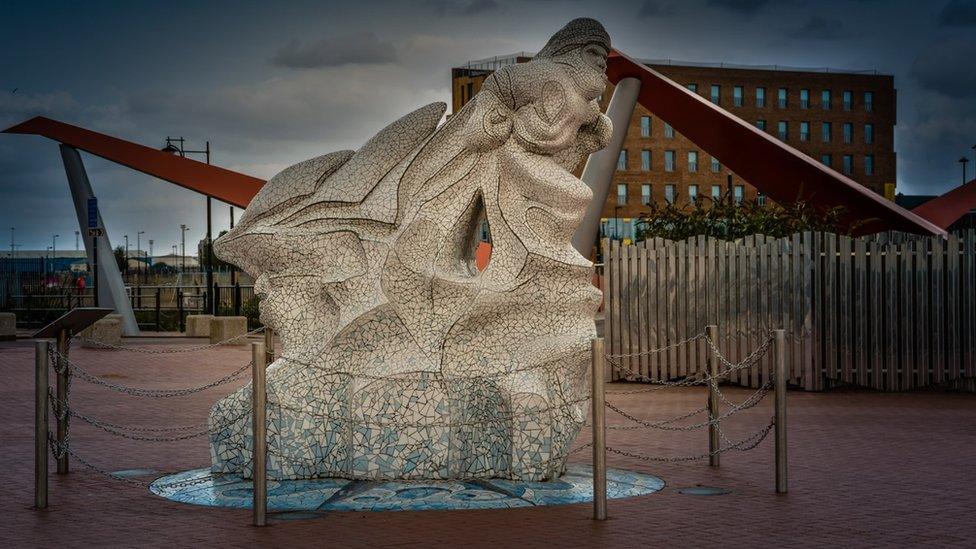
x=664, y=425
x=660, y=349
x=743, y=445
x=74, y=369
x=148, y=351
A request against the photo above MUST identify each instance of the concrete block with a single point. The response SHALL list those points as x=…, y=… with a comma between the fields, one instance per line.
x=198, y=325
x=107, y=331
x=223, y=328
x=8, y=326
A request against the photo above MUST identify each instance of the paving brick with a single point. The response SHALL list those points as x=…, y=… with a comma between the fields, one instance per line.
x=867, y=470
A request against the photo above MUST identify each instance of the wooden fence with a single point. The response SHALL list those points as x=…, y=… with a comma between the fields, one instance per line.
x=891, y=311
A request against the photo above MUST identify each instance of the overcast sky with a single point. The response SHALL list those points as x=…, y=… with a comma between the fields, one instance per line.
x=273, y=83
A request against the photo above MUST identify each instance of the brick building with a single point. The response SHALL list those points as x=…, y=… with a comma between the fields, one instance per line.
x=844, y=119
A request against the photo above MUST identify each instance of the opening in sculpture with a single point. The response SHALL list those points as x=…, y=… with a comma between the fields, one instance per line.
x=400, y=359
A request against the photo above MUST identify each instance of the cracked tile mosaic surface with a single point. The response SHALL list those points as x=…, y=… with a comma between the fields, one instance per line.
x=400, y=359
x=232, y=490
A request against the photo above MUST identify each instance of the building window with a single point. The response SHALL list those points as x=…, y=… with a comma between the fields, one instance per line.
x=761, y=199
x=869, y=133
x=645, y=194
x=825, y=132
x=781, y=100
x=692, y=161
x=740, y=194
x=628, y=228
x=645, y=126
x=761, y=124
x=869, y=164
x=645, y=160
x=868, y=101
x=848, y=164
x=716, y=94
x=848, y=132
x=760, y=97
x=825, y=100
x=669, y=161
x=848, y=100
x=716, y=193
x=621, y=194
x=692, y=193
x=804, y=131
x=737, y=96
x=804, y=98
x=825, y=159
x=693, y=88
x=668, y=131
x=669, y=193
x=783, y=129
x=622, y=160
x=716, y=165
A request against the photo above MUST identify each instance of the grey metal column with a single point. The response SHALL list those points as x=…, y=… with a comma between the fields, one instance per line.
x=112, y=291
x=598, y=173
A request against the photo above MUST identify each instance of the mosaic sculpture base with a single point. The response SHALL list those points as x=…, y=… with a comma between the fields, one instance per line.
x=199, y=487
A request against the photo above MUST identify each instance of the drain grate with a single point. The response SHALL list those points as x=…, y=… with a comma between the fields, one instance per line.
x=704, y=491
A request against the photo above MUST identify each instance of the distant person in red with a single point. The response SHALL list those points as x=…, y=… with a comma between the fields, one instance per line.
x=80, y=285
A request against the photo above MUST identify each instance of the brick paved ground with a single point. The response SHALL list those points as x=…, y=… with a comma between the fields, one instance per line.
x=867, y=469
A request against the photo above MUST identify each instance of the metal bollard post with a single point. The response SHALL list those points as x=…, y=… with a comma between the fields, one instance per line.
x=259, y=450
x=780, y=358
x=40, y=423
x=62, y=392
x=269, y=346
x=599, y=421
x=713, y=368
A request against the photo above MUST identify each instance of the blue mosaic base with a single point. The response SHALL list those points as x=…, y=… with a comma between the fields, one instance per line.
x=576, y=486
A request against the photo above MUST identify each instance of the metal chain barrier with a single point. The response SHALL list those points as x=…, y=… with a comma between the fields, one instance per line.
x=743, y=445
x=664, y=425
x=148, y=351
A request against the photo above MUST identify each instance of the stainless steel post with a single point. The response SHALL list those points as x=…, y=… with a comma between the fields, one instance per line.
x=713, y=440
x=62, y=392
x=599, y=420
x=259, y=471
x=269, y=346
x=780, y=358
x=40, y=423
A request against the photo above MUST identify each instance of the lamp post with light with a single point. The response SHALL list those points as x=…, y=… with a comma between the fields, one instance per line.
x=139, y=251
x=964, y=161
x=176, y=145
x=183, y=229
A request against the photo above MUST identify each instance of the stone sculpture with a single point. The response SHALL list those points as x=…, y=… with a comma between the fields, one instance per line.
x=400, y=359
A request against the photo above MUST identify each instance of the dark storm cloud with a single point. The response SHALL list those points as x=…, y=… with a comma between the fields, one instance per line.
x=656, y=8
x=747, y=7
x=959, y=13
x=334, y=51
x=945, y=67
x=820, y=28
x=452, y=7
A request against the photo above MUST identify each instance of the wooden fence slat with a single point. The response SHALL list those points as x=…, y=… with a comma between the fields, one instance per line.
x=952, y=300
x=615, y=310
x=844, y=303
x=909, y=346
x=672, y=309
x=920, y=329
x=704, y=300
x=936, y=311
x=891, y=316
x=860, y=339
x=662, y=311
x=969, y=303
x=877, y=315
x=830, y=304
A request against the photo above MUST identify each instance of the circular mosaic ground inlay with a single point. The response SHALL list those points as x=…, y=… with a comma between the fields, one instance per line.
x=199, y=487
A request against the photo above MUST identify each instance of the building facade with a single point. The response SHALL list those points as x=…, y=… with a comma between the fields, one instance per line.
x=844, y=119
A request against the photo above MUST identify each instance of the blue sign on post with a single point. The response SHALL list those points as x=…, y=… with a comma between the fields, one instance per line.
x=92, y=213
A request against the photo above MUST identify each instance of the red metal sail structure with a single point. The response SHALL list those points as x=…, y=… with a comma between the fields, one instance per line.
x=779, y=171
x=229, y=186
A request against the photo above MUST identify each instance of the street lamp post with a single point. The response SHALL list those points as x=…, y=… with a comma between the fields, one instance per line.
x=964, y=161
x=126, y=260
x=11, y=242
x=148, y=261
x=139, y=251
x=54, y=249
x=183, y=229
x=176, y=145
x=76, y=239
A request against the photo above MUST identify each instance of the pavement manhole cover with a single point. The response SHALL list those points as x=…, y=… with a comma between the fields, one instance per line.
x=704, y=491
x=129, y=473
